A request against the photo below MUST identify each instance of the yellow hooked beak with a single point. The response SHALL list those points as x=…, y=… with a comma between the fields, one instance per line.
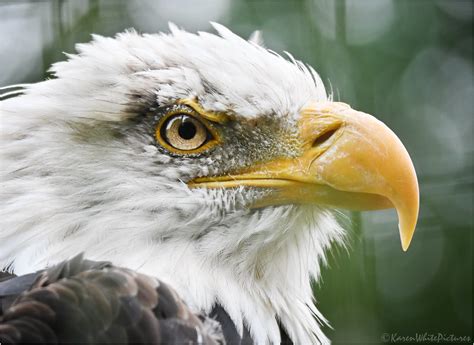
x=349, y=160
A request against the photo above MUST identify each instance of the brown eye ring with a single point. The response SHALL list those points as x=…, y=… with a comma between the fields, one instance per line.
x=184, y=133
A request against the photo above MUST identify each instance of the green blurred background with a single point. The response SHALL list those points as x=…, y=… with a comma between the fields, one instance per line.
x=408, y=62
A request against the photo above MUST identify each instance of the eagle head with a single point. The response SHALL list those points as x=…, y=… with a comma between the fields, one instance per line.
x=205, y=160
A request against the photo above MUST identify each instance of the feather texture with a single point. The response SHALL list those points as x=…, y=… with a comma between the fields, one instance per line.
x=88, y=302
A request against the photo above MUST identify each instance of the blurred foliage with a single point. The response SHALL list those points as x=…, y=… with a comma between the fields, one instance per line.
x=408, y=62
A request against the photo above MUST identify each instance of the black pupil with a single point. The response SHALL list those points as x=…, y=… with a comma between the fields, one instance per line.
x=187, y=129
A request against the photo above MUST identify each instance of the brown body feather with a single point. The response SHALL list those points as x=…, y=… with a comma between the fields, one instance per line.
x=89, y=302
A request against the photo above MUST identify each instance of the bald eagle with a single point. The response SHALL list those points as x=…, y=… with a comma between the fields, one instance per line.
x=204, y=160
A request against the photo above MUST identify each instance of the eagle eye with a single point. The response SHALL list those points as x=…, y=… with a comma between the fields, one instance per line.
x=184, y=133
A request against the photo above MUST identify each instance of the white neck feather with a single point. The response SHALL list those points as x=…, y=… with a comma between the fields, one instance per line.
x=261, y=280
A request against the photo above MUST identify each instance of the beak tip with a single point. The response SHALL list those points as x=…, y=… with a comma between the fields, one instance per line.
x=405, y=238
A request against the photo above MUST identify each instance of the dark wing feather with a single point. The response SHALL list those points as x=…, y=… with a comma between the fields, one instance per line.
x=228, y=327
x=232, y=336
x=82, y=301
x=6, y=276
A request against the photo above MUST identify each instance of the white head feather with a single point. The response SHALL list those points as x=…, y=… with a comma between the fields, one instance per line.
x=78, y=177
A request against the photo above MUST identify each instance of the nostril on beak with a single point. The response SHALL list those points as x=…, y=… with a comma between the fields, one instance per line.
x=325, y=136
